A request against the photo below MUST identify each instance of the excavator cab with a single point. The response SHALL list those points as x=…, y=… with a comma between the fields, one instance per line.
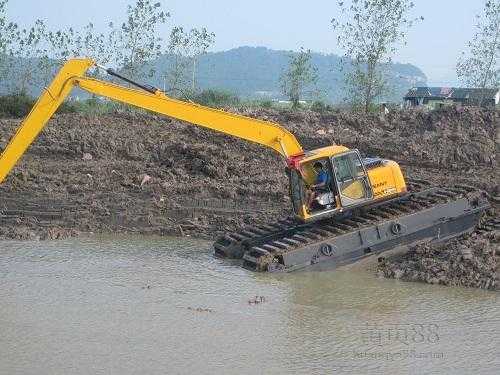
x=348, y=183
x=351, y=177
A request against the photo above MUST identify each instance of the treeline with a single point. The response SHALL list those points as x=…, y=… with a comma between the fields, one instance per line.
x=370, y=32
x=19, y=105
x=33, y=54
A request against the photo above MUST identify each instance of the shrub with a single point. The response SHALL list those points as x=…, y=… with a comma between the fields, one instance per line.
x=266, y=104
x=94, y=106
x=319, y=106
x=16, y=105
x=19, y=105
x=216, y=98
x=67, y=107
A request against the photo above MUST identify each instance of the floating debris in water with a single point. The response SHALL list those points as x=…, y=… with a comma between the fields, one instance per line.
x=200, y=309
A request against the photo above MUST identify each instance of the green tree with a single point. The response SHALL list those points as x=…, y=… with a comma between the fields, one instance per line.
x=176, y=76
x=89, y=43
x=299, y=76
x=4, y=30
x=27, y=55
x=136, y=41
x=183, y=51
x=30, y=55
x=369, y=34
x=200, y=41
x=64, y=44
x=57, y=49
x=479, y=67
x=8, y=33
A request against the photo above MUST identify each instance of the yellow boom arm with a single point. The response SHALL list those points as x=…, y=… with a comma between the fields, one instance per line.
x=73, y=74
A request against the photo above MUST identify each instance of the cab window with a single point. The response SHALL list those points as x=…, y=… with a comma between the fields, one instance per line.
x=352, y=179
x=348, y=167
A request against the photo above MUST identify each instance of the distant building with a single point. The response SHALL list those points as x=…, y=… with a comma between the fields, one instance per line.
x=436, y=97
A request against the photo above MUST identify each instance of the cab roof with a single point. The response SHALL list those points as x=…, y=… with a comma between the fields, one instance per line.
x=323, y=153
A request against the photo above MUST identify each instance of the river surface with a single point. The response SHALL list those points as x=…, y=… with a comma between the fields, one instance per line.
x=135, y=305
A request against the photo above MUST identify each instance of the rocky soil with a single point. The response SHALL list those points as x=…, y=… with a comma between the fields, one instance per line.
x=136, y=172
x=471, y=261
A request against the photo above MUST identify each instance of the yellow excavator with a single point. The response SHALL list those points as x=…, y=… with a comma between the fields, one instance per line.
x=358, y=206
x=351, y=181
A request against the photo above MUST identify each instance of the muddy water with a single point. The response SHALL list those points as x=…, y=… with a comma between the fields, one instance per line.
x=132, y=305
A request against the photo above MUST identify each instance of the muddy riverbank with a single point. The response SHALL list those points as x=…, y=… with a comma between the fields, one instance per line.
x=139, y=173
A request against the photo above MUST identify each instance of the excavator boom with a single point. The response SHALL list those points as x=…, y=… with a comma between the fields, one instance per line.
x=72, y=75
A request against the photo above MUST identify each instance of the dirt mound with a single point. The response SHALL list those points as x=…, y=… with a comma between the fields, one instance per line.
x=470, y=261
x=132, y=172
x=107, y=152
x=449, y=138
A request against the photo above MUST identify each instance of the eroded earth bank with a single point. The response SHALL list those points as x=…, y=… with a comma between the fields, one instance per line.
x=135, y=172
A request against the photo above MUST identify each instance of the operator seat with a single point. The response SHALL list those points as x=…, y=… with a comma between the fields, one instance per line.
x=327, y=199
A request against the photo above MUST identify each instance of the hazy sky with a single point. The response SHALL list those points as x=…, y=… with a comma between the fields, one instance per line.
x=433, y=45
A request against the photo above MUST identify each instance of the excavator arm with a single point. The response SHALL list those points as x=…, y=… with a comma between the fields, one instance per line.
x=72, y=74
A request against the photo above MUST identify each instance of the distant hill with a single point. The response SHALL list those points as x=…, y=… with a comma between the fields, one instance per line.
x=253, y=72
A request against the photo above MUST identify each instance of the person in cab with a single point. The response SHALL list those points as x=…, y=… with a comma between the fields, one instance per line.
x=320, y=186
